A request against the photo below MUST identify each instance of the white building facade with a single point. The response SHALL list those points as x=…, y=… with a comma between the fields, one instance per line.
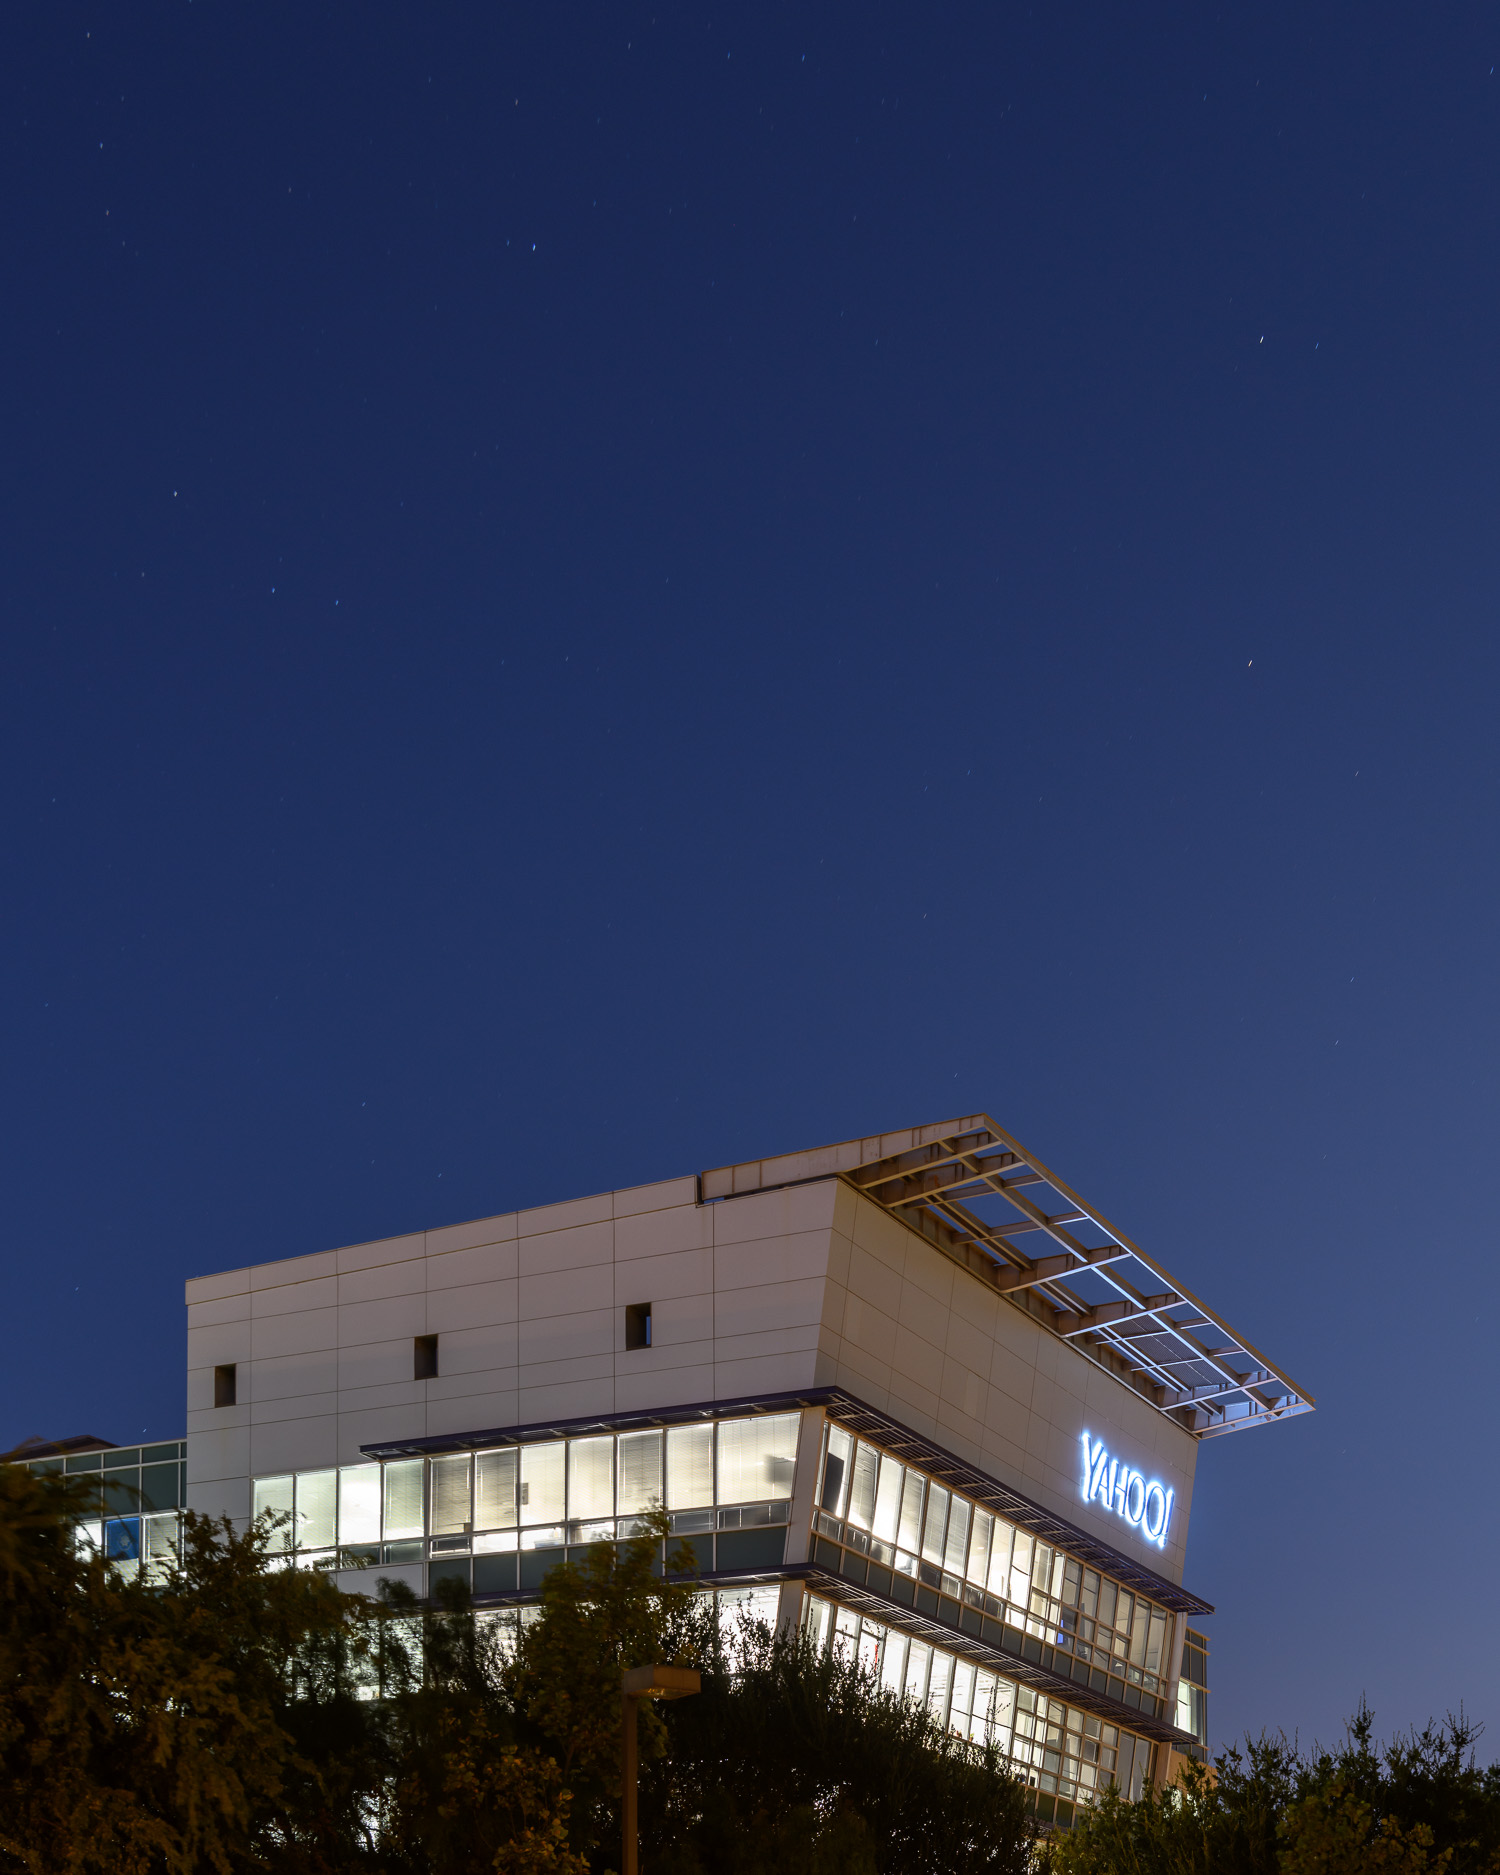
x=908, y=1391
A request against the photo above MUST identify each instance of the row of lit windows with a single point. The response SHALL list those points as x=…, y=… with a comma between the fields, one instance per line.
x=1066, y=1754
x=912, y=1524
x=133, y=1544
x=1192, y=1688
x=538, y=1496
x=143, y=1485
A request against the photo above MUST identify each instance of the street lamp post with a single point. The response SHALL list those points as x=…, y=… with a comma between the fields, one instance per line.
x=636, y=1684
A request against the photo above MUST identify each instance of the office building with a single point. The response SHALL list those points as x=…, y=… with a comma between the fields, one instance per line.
x=910, y=1392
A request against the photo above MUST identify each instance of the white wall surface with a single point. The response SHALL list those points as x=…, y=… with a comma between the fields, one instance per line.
x=529, y=1311
x=776, y=1290
x=912, y=1332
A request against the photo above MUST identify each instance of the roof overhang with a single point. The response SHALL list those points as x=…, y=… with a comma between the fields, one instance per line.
x=980, y=1197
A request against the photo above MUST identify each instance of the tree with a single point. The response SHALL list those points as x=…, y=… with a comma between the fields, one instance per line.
x=792, y=1759
x=1334, y=1831
x=1418, y=1806
x=155, y=1726
x=613, y=1611
x=471, y=1802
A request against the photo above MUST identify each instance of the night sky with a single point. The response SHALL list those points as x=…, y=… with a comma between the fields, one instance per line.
x=589, y=593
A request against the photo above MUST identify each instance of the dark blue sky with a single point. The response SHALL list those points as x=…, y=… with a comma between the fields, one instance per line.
x=591, y=592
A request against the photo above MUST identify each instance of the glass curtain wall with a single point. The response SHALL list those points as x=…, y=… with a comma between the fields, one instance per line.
x=1067, y=1756
x=908, y=1537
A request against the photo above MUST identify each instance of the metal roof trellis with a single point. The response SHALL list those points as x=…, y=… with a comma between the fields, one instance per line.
x=978, y=1195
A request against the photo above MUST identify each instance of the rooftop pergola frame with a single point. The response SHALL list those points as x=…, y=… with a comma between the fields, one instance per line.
x=976, y=1193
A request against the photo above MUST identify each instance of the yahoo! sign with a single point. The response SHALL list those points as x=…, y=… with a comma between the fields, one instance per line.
x=1144, y=1503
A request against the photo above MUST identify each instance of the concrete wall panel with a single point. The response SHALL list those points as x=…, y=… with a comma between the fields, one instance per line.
x=486, y=1263
x=483, y=1233
x=662, y=1197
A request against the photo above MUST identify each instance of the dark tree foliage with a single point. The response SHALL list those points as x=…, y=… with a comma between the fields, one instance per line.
x=612, y=1612
x=203, y=1722
x=1225, y=1823
x=791, y=1759
x=234, y=1715
x=1420, y=1805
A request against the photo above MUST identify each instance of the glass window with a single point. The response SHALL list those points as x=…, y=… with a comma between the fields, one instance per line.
x=956, y=1548
x=757, y=1458
x=893, y=1661
x=913, y=1496
x=159, y=1486
x=1156, y=1643
x=317, y=1505
x=591, y=1478
x=273, y=1497
x=1020, y=1570
x=122, y=1539
x=159, y=1543
x=984, y=1700
x=979, y=1547
x=542, y=1482
x=845, y=1630
x=999, y=1576
x=495, y=1490
x=819, y=1620
x=937, y=1518
x=122, y=1491
x=640, y=1472
x=862, y=1488
x=450, y=1495
x=690, y=1466
x=917, y=1656
x=359, y=1508
x=937, y=1684
x=835, y=1471
x=888, y=1500
x=403, y=1500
